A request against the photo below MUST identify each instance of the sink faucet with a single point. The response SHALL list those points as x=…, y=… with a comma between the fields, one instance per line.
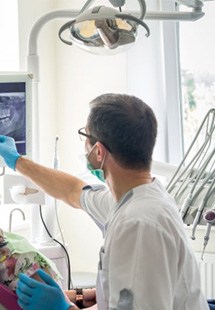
x=11, y=215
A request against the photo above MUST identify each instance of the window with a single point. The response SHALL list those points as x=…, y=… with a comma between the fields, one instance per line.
x=197, y=50
x=9, y=51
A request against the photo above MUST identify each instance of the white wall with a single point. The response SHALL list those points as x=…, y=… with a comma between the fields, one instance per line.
x=29, y=13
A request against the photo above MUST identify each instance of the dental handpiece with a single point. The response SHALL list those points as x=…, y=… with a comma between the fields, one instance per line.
x=56, y=162
x=202, y=206
x=209, y=217
x=196, y=220
x=186, y=206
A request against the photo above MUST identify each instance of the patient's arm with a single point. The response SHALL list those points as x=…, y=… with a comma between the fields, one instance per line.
x=70, y=295
x=89, y=296
x=35, y=276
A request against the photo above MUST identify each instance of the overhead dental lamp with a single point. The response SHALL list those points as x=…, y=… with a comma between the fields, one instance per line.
x=104, y=30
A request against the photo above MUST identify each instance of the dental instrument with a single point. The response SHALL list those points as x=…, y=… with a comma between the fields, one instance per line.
x=56, y=159
x=207, y=196
x=193, y=184
x=201, y=172
x=208, y=135
x=209, y=217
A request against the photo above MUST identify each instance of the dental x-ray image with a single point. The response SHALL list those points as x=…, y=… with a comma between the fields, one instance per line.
x=13, y=113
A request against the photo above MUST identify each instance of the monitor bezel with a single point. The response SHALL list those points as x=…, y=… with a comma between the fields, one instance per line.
x=22, y=77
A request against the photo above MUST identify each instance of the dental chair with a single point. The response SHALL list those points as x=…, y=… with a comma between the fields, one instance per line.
x=8, y=299
x=211, y=304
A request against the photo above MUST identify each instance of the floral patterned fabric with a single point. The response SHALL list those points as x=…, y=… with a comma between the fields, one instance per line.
x=17, y=255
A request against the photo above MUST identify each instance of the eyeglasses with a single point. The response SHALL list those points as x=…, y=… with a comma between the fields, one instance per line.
x=83, y=135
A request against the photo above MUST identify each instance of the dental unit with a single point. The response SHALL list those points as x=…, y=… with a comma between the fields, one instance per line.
x=193, y=184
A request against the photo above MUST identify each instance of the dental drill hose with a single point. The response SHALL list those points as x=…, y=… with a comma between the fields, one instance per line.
x=186, y=206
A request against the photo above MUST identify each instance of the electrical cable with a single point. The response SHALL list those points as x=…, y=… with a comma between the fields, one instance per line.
x=63, y=247
x=188, y=170
x=193, y=161
x=56, y=166
x=86, y=6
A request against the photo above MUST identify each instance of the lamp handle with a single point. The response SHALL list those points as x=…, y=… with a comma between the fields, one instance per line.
x=62, y=29
x=117, y=3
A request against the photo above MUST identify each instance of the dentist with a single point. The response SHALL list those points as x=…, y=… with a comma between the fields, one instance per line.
x=146, y=261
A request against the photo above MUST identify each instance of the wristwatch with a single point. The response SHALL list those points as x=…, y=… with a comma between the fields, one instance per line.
x=79, y=298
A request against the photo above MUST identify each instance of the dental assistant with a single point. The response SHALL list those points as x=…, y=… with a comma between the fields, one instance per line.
x=146, y=262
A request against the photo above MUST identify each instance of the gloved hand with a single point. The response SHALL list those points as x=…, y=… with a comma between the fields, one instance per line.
x=8, y=151
x=35, y=295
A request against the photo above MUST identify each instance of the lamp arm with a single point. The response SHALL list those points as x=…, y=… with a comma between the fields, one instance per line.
x=117, y=3
x=136, y=20
x=33, y=38
x=120, y=3
x=86, y=6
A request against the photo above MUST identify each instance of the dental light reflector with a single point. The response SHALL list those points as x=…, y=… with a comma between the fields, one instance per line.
x=102, y=29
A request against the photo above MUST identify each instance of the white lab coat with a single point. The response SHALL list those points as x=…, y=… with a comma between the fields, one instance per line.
x=145, y=251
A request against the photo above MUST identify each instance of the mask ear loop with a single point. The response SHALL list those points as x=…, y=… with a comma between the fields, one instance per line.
x=88, y=154
x=103, y=160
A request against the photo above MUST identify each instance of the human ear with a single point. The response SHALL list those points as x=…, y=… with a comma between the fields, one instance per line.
x=101, y=151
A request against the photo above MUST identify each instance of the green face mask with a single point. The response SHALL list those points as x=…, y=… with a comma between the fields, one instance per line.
x=99, y=173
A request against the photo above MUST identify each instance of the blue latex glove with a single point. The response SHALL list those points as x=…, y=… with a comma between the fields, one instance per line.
x=35, y=295
x=8, y=151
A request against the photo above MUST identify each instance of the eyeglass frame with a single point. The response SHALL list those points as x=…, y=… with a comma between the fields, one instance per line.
x=90, y=136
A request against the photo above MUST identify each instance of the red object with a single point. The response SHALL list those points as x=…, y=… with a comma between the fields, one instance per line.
x=8, y=299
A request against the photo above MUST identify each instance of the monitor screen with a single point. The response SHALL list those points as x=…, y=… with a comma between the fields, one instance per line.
x=15, y=109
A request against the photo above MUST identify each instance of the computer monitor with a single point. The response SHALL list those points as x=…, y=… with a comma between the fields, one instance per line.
x=16, y=110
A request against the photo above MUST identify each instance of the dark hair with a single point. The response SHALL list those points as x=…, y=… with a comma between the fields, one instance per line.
x=126, y=126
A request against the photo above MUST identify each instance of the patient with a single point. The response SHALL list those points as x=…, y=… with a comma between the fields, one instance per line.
x=18, y=255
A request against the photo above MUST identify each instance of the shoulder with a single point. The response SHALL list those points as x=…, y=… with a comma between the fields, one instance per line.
x=96, y=193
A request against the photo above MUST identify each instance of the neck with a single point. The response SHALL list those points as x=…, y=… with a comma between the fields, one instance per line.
x=120, y=180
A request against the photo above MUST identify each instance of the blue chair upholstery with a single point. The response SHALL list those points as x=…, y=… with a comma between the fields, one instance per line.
x=211, y=303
